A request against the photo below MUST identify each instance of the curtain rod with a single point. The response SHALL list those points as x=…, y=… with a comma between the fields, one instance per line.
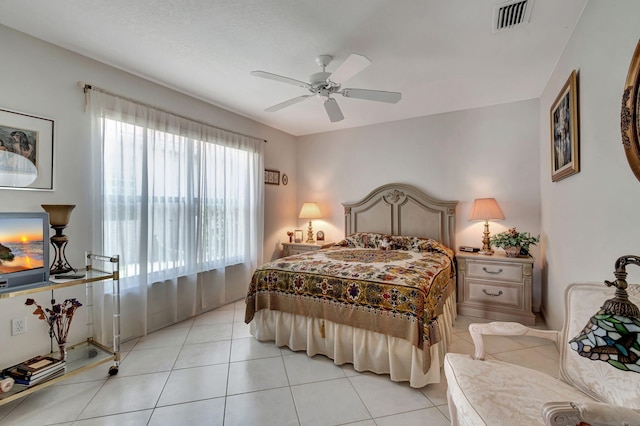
x=86, y=87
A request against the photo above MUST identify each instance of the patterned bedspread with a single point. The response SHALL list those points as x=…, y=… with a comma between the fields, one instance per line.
x=398, y=292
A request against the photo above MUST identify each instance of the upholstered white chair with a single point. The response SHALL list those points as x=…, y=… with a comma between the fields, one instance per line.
x=590, y=392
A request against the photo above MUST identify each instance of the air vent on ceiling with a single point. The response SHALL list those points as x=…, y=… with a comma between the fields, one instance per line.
x=511, y=14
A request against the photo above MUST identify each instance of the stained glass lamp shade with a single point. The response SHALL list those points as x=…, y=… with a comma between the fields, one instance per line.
x=612, y=334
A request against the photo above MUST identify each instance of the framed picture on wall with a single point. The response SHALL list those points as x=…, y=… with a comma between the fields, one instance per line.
x=272, y=177
x=26, y=151
x=565, y=145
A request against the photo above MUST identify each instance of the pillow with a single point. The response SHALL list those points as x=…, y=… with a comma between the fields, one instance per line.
x=374, y=240
x=420, y=244
x=362, y=240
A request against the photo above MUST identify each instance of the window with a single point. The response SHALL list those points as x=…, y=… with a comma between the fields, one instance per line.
x=177, y=198
x=173, y=197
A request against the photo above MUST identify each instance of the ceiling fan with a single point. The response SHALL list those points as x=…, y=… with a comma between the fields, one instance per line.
x=324, y=84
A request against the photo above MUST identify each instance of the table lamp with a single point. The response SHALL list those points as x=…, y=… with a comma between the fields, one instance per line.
x=611, y=334
x=486, y=209
x=310, y=211
x=59, y=215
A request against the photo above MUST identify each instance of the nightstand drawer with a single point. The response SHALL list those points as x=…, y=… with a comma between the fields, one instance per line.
x=297, y=250
x=495, y=271
x=494, y=294
x=289, y=249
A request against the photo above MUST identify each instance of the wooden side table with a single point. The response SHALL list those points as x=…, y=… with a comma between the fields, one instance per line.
x=289, y=249
x=496, y=287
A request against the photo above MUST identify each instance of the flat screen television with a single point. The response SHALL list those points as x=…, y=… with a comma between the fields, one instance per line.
x=24, y=250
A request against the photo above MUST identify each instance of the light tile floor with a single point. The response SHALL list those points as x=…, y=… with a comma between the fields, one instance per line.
x=210, y=371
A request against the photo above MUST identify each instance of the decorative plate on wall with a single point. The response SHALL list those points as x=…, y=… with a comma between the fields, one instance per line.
x=629, y=114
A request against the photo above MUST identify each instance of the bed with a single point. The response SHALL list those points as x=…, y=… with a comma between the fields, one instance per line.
x=382, y=299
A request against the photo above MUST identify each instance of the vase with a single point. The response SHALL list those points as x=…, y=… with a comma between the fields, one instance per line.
x=512, y=251
x=62, y=347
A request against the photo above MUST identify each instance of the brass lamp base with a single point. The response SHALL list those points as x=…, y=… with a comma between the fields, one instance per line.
x=310, y=239
x=486, y=241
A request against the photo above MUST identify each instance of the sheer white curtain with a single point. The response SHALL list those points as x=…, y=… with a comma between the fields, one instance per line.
x=181, y=202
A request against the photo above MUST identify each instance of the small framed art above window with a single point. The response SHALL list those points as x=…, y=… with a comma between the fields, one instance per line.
x=272, y=177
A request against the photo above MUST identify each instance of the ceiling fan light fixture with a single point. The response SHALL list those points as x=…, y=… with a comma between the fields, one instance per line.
x=324, y=84
x=319, y=79
x=324, y=94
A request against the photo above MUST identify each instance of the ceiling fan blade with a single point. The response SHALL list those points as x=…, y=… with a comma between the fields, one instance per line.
x=333, y=110
x=280, y=78
x=372, y=95
x=350, y=67
x=285, y=104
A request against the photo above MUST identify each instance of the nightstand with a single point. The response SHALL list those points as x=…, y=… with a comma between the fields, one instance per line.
x=496, y=287
x=289, y=249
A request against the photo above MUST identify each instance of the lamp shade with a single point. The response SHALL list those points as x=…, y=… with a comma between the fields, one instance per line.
x=612, y=334
x=485, y=209
x=310, y=211
x=59, y=214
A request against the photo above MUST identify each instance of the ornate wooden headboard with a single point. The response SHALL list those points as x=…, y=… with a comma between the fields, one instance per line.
x=400, y=209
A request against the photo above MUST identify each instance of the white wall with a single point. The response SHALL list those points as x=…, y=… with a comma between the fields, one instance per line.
x=591, y=218
x=40, y=79
x=483, y=152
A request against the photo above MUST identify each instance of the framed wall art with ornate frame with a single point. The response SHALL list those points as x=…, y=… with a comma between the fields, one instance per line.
x=565, y=144
x=26, y=151
x=629, y=115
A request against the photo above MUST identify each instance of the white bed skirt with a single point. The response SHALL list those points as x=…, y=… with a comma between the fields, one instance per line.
x=366, y=350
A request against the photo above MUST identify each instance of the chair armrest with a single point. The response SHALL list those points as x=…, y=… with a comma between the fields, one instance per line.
x=588, y=413
x=477, y=330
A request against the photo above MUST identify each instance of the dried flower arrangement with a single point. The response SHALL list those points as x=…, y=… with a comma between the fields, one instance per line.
x=58, y=317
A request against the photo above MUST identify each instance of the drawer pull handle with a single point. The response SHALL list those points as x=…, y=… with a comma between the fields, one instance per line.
x=492, y=294
x=499, y=271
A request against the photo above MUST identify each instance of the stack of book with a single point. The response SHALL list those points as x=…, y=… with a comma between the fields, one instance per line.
x=35, y=370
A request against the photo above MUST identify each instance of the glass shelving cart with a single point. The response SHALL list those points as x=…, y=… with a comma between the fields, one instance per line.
x=90, y=353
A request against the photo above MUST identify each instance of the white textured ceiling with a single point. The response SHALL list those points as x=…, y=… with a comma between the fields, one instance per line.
x=441, y=54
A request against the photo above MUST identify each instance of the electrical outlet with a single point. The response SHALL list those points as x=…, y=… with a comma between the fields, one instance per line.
x=18, y=326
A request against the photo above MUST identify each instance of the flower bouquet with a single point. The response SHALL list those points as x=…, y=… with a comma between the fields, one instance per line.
x=512, y=239
x=59, y=319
